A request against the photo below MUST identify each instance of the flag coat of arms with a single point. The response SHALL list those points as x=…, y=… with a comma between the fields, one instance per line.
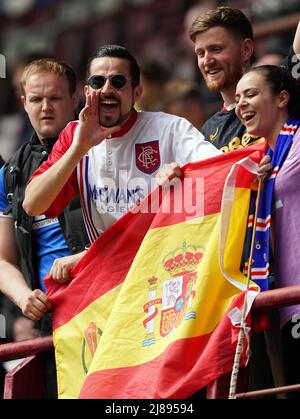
x=153, y=307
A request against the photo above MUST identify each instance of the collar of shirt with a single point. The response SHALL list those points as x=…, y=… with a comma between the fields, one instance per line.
x=126, y=127
x=228, y=108
x=47, y=143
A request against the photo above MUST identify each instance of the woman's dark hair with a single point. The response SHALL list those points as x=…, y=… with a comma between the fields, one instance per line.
x=117, y=51
x=279, y=79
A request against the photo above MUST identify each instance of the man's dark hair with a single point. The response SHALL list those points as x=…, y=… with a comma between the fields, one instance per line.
x=233, y=20
x=117, y=51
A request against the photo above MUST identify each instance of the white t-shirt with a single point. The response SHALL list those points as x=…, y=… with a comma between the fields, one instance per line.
x=120, y=171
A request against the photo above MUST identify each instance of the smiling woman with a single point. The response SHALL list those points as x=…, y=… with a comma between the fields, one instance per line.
x=265, y=97
x=268, y=103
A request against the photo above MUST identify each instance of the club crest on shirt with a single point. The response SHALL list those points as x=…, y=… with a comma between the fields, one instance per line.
x=147, y=156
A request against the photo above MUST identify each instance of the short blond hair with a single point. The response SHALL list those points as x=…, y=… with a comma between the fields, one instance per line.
x=49, y=65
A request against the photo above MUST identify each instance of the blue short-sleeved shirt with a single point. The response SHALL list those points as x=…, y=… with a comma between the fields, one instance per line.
x=47, y=238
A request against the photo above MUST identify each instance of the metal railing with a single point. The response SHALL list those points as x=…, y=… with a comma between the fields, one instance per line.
x=27, y=379
x=265, y=301
x=34, y=349
x=24, y=348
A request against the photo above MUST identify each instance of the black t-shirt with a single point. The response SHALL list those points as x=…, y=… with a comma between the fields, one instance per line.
x=226, y=132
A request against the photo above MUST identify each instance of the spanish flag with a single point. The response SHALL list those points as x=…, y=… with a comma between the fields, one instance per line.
x=154, y=306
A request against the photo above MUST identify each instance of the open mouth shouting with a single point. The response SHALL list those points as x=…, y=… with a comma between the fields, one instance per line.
x=109, y=105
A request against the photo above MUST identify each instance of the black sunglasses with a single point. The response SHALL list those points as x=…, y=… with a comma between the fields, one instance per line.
x=117, y=81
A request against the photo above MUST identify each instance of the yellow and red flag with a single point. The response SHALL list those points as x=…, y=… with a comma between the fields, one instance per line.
x=153, y=309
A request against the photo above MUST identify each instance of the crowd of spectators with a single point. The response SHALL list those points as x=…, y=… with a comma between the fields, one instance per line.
x=155, y=31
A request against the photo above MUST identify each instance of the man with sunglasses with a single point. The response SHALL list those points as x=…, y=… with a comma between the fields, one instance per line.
x=115, y=150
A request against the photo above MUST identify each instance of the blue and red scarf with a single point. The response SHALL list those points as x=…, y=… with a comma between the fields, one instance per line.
x=260, y=271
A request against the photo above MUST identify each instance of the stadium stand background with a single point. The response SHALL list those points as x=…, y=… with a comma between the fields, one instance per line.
x=152, y=29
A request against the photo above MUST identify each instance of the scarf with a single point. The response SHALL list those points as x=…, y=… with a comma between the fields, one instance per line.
x=260, y=271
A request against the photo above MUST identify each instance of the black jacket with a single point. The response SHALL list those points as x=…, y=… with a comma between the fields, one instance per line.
x=17, y=172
